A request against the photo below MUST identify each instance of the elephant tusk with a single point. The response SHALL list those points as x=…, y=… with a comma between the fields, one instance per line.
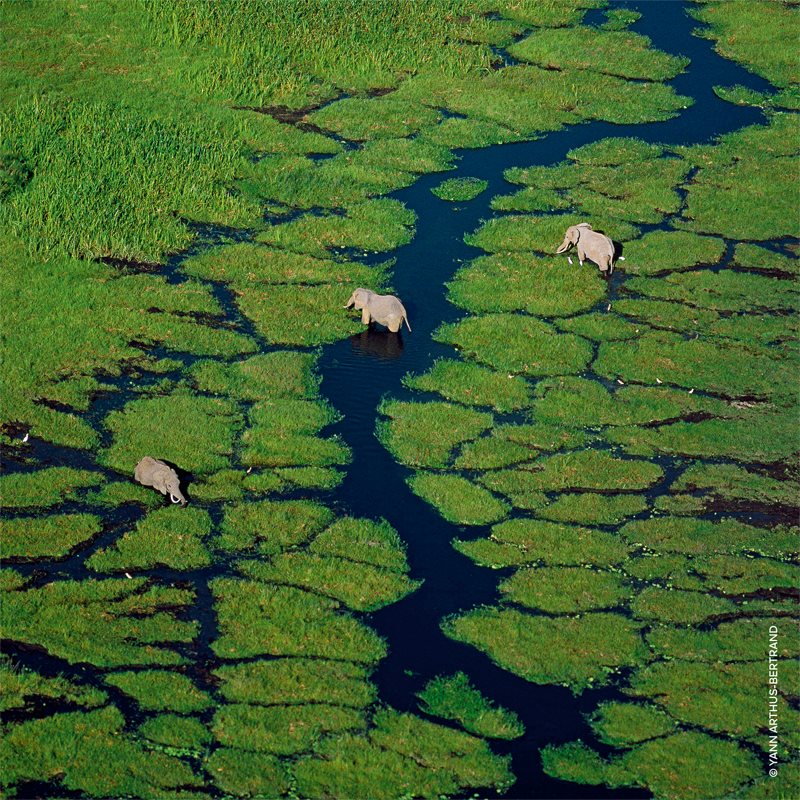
x=173, y=498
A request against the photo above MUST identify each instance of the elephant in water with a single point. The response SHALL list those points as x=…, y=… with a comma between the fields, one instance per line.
x=590, y=244
x=383, y=308
x=155, y=473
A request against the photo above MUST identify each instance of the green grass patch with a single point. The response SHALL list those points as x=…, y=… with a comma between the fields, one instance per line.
x=21, y=688
x=728, y=641
x=517, y=344
x=283, y=730
x=458, y=500
x=454, y=697
x=752, y=256
x=668, y=251
x=372, y=226
x=472, y=385
x=722, y=291
x=532, y=541
x=585, y=469
x=564, y=590
x=280, y=374
x=735, y=483
x=195, y=433
x=425, y=434
x=246, y=264
x=516, y=282
x=271, y=525
x=68, y=748
x=262, y=619
x=362, y=540
x=725, y=368
x=161, y=690
x=757, y=437
x=108, y=623
x=625, y=724
x=703, y=537
x=299, y=315
x=678, y=607
x=184, y=735
x=46, y=537
x=601, y=326
x=245, y=773
x=492, y=452
x=171, y=537
x=295, y=681
x=576, y=652
x=622, y=53
x=460, y=190
x=361, y=587
x=589, y=508
x=45, y=488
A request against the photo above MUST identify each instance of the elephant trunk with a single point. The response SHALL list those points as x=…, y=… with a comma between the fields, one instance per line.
x=565, y=245
x=351, y=301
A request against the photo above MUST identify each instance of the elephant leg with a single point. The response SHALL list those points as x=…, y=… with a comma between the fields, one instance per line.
x=394, y=324
x=581, y=255
x=365, y=316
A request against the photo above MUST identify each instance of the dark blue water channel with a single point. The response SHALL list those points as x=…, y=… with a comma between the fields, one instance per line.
x=359, y=372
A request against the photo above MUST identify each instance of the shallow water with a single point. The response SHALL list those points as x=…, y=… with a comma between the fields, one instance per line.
x=358, y=372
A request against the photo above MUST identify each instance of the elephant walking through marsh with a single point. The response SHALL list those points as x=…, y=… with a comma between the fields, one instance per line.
x=385, y=309
x=162, y=477
x=590, y=244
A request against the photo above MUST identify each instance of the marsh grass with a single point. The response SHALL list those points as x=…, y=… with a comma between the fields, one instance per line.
x=754, y=257
x=45, y=488
x=161, y=690
x=624, y=724
x=588, y=508
x=69, y=746
x=371, y=226
x=678, y=607
x=271, y=525
x=621, y=53
x=245, y=772
x=108, y=623
x=735, y=483
x=457, y=499
x=177, y=733
x=523, y=282
x=600, y=643
x=563, y=590
x=258, y=619
x=454, y=697
x=19, y=688
x=472, y=385
x=387, y=117
x=361, y=587
x=517, y=344
x=460, y=190
x=292, y=681
x=425, y=434
x=363, y=540
x=601, y=326
x=26, y=538
x=245, y=263
x=172, y=537
x=663, y=251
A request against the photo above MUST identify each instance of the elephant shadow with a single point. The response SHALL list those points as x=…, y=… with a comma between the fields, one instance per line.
x=382, y=344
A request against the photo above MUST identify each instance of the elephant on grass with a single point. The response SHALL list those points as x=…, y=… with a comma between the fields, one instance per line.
x=595, y=246
x=152, y=472
x=383, y=308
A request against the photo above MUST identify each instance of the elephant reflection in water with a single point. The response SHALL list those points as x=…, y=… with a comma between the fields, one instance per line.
x=591, y=245
x=378, y=343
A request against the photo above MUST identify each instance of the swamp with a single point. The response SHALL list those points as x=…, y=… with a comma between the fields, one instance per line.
x=543, y=546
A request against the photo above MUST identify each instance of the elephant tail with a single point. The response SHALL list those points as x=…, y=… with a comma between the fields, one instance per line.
x=405, y=319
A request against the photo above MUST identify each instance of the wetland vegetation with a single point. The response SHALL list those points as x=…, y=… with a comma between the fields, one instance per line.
x=173, y=261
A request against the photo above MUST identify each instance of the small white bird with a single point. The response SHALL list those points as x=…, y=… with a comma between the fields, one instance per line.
x=26, y=437
x=569, y=258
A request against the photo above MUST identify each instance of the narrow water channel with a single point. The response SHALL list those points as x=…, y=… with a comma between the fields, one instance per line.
x=357, y=373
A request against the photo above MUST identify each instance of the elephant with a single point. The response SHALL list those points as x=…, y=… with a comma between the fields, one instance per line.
x=152, y=472
x=383, y=308
x=590, y=244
